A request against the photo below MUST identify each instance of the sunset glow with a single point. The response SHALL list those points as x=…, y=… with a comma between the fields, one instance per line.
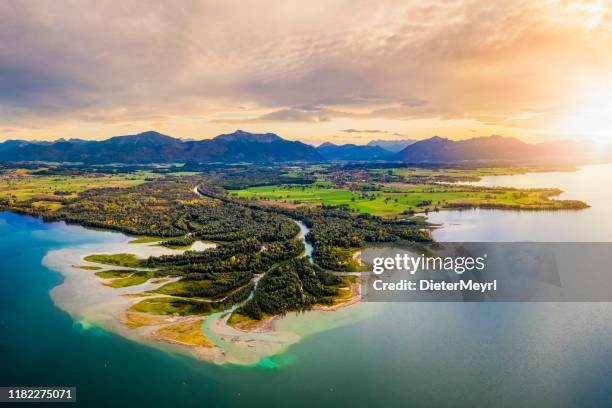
x=592, y=116
x=319, y=71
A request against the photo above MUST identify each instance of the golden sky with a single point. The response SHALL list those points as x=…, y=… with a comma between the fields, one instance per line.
x=343, y=71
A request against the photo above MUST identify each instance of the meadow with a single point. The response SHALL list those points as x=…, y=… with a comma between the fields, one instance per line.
x=48, y=191
x=389, y=200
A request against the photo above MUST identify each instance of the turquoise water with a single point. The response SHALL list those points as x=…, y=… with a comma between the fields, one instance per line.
x=459, y=354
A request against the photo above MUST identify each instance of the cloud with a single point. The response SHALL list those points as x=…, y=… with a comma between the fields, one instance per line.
x=307, y=114
x=308, y=63
x=364, y=131
x=314, y=114
x=372, y=131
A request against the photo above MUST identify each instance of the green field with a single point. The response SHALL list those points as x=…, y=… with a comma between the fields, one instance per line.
x=173, y=306
x=87, y=267
x=115, y=273
x=133, y=279
x=21, y=185
x=148, y=239
x=127, y=260
x=392, y=200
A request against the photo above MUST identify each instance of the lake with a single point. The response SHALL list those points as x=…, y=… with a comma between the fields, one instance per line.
x=396, y=354
x=590, y=184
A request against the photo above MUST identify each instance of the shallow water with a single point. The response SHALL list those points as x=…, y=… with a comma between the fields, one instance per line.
x=399, y=354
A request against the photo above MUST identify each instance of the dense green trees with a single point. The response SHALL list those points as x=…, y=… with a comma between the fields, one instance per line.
x=168, y=207
x=293, y=285
x=336, y=233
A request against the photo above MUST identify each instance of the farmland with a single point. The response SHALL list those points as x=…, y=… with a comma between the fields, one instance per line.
x=389, y=200
x=20, y=185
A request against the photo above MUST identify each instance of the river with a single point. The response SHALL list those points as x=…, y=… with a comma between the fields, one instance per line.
x=301, y=235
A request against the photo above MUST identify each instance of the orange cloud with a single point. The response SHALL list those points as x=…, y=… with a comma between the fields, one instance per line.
x=198, y=68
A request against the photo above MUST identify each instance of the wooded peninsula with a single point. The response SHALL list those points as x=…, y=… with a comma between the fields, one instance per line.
x=258, y=266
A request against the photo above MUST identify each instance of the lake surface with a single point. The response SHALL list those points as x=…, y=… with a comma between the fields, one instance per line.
x=590, y=184
x=398, y=354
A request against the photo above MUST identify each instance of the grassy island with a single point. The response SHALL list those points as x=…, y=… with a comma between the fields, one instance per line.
x=127, y=260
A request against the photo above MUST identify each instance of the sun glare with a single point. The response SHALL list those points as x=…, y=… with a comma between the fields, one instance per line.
x=592, y=117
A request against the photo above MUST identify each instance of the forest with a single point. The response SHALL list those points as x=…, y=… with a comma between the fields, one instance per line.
x=336, y=233
x=295, y=285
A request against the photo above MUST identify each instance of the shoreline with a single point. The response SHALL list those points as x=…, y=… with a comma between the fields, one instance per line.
x=90, y=302
x=353, y=298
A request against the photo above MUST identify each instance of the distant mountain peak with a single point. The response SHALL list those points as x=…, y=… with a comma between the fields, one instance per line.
x=241, y=135
x=494, y=148
x=151, y=133
x=393, y=146
x=149, y=136
x=437, y=138
x=351, y=151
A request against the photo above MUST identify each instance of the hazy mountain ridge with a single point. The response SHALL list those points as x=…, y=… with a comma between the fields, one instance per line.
x=394, y=146
x=241, y=146
x=499, y=149
x=154, y=147
x=331, y=151
x=246, y=137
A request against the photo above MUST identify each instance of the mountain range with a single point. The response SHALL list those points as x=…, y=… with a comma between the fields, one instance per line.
x=154, y=147
x=502, y=150
x=240, y=146
x=331, y=151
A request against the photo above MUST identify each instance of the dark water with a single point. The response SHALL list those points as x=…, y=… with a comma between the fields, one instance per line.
x=440, y=354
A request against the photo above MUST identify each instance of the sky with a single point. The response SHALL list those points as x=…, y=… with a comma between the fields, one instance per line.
x=341, y=71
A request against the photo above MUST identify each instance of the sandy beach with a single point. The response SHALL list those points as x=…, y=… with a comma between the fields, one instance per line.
x=93, y=304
